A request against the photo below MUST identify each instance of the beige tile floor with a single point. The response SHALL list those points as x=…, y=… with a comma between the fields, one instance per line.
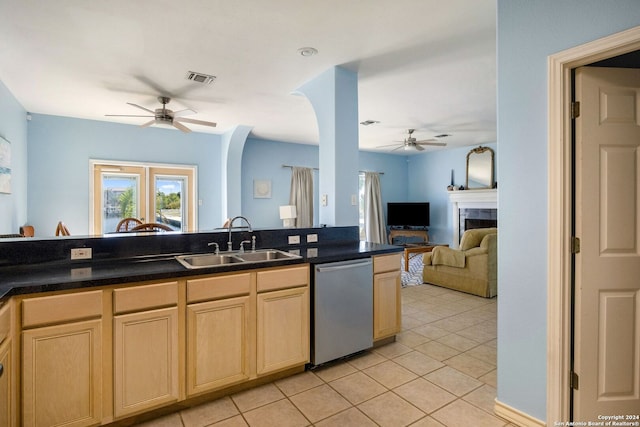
x=441, y=371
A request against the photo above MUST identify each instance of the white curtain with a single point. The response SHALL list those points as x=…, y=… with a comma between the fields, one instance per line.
x=301, y=195
x=374, y=224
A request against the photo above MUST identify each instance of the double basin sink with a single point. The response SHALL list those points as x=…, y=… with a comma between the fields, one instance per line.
x=218, y=260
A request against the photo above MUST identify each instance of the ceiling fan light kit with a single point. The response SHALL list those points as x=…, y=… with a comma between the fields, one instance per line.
x=164, y=117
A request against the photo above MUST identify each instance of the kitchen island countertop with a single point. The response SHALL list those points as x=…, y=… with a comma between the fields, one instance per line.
x=46, y=277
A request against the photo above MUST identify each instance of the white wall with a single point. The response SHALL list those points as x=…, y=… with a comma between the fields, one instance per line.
x=528, y=32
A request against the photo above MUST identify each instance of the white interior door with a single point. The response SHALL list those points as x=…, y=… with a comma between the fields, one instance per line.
x=607, y=268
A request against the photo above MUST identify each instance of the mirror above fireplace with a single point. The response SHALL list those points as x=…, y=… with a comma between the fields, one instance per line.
x=480, y=168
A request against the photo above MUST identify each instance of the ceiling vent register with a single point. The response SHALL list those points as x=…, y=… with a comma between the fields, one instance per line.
x=200, y=77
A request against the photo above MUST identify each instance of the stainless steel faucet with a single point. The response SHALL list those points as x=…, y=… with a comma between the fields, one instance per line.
x=229, y=242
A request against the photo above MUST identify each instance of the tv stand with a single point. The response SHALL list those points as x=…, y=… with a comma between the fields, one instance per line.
x=407, y=232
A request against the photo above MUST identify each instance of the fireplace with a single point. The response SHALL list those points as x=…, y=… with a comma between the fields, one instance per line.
x=477, y=218
x=481, y=205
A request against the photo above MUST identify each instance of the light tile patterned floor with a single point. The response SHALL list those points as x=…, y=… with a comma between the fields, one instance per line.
x=441, y=371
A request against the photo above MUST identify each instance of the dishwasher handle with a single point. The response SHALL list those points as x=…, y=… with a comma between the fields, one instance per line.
x=343, y=266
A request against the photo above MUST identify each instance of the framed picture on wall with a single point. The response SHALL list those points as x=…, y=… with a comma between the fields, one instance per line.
x=5, y=166
x=261, y=189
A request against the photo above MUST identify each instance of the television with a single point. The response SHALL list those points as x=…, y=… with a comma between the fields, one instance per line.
x=408, y=214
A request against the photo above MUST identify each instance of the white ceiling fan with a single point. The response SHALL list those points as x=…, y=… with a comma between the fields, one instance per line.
x=412, y=144
x=164, y=116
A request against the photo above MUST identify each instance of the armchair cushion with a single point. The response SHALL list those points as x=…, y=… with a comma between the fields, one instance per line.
x=473, y=238
x=443, y=255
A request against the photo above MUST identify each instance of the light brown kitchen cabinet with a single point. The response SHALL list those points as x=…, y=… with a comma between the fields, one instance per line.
x=387, y=316
x=283, y=319
x=7, y=370
x=62, y=363
x=145, y=347
x=92, y=357
x=219, y=332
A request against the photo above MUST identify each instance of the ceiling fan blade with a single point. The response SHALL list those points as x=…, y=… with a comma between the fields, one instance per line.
x=434, y=144
x=195, y=122
x=142, y=108
x=419, y=147
x=399, y=148
x=390, y=145
x=125, y=115
x=180, y=126
x=185, y=112
x=149, y=123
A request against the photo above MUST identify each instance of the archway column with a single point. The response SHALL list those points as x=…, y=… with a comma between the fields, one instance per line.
x=334, y=97
x=232, y=148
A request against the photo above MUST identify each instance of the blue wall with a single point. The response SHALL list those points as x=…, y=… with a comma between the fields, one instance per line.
x=263, y=160
x=430, y=174
x=13, y=128
x=58, y=161
x=528, y=32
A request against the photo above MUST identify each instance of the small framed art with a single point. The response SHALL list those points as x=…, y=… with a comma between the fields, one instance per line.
x=261, y=189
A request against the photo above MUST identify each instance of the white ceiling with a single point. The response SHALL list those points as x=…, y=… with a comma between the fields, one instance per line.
x=423, y=64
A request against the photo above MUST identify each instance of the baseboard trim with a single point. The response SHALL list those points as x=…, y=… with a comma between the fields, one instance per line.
x=515, y=416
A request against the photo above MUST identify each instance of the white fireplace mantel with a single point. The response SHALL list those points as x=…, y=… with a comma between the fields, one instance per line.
x=469, y=199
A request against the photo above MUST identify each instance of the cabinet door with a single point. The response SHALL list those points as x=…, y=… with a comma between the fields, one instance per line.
x=386, y=304
x=283, y=329
x=217, y=344
x=62, y=375
x=145, y=359
x=6, y=383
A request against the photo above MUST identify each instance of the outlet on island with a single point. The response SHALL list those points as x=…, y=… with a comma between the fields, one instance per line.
x=294, y=240
x=81, y=253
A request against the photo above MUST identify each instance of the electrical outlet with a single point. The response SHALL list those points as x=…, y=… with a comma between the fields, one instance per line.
x=294, y=240
x=312, y=238
x=81, y=253
x=312, y=252
x=325, y=200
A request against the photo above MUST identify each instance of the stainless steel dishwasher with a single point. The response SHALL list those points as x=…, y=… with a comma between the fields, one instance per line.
x=342, y=309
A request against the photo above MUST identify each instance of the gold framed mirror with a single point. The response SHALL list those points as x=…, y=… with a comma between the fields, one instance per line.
x=480, y=168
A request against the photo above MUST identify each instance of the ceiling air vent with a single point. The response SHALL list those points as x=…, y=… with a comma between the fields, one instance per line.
x=200, y=77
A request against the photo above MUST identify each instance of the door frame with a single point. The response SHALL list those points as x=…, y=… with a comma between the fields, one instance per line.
x=560, y=212
x=191, y=172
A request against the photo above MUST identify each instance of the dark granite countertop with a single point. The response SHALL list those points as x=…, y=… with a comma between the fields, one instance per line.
x=45, y=277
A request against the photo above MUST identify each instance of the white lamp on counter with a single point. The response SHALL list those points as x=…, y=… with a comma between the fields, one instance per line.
x=288, y=215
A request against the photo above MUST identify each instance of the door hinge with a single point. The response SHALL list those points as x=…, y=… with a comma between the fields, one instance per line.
x=575, y=245
x=575, y=109
x=573, y=380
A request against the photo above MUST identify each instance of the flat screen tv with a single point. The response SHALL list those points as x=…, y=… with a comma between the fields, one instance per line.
x=408, y=214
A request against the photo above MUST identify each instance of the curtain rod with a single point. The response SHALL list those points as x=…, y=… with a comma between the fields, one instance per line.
x=289, y=166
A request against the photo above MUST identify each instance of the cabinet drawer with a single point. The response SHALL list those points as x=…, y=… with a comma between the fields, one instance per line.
x=210, y=288
x=5, y=322
x=145, y=297
x=283, y=278
x=61, y=308
x=383, y=263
